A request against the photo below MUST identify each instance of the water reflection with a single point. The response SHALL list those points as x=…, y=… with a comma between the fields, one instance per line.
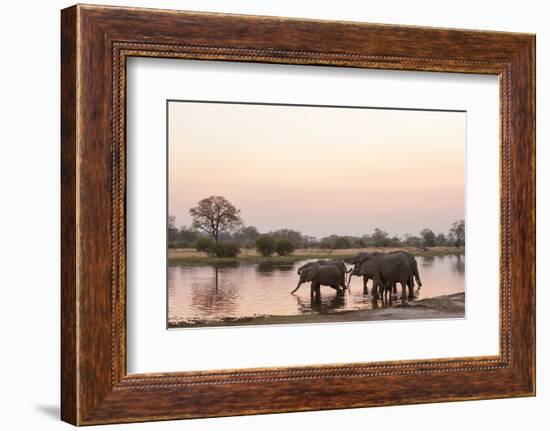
x=214, y=296
x=199, y=293
x=326, y=303
x=459, y=264
x=268, y=268
x=427, y=261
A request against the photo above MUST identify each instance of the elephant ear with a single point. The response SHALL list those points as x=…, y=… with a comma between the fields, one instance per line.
x=311, y=272
x=366, y=265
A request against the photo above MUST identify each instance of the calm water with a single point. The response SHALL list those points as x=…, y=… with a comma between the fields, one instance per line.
x=206, y=293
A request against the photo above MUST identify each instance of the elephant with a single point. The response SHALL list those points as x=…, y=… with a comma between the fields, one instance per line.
x=322, y=274
x=354, y=260
x=360, y=257
x=388, y=269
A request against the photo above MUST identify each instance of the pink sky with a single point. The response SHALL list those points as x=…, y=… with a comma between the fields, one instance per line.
x=319, y=170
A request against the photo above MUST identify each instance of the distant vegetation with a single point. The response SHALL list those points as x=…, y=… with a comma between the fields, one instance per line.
x=271, y=243
x=219, y=231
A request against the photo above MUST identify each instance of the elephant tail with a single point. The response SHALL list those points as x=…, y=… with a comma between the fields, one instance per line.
x=416, y=275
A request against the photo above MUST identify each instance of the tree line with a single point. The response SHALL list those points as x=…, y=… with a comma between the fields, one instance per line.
x=218, y=229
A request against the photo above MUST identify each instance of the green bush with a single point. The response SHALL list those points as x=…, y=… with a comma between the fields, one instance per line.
x=342, y=242
x=224, y=249
x=284, y=247
x=266, y=245
x=204, y=244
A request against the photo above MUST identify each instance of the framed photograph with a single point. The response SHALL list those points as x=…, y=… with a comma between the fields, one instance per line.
x=330, y=183
x=325, y=214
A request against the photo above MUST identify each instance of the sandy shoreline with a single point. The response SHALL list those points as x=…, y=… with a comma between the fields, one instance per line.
x=440, y=307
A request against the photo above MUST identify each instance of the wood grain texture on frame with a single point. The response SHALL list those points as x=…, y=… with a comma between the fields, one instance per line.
x=96, y=41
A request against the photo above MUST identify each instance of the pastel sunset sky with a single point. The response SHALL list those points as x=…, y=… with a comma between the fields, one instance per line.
x=319, y=170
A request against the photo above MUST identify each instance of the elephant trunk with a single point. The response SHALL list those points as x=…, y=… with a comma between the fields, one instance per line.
x=349, y=279
x=297, y=287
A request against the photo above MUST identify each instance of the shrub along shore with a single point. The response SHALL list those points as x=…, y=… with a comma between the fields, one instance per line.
x=192, y=256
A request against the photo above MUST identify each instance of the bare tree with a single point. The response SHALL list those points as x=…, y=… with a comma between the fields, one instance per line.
x=214, y=215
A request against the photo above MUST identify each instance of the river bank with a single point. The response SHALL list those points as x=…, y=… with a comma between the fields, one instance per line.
x=440, y=307
x=191, y=256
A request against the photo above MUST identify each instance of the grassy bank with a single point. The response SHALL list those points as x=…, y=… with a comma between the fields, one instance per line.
x=441, y=307
x=188, y=255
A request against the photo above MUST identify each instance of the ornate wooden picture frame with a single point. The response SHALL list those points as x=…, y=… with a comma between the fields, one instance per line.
x=96, y=41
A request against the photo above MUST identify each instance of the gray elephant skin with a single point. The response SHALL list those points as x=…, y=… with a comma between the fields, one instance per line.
x=360, y=257
x=335, y=262
x=388, y=269
x=356, y=260
x=323, y=273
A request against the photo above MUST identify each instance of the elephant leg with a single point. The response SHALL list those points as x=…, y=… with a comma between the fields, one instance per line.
x=411, y=287
x=337, y=288
x=365, y=286
x=314, y=292
x=342, y=283
x=403, y=288
x=383, y=293
x=318, y=293
x=375, y=290
x=394, y=288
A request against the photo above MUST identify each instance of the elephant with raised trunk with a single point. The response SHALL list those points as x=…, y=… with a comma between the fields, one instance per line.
x=323, y=273
x=388, y=269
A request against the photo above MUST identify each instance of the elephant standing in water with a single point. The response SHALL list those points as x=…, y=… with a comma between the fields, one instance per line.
x=388, y=269
x=360, y=257
x=323, y=273
x=354, y=260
